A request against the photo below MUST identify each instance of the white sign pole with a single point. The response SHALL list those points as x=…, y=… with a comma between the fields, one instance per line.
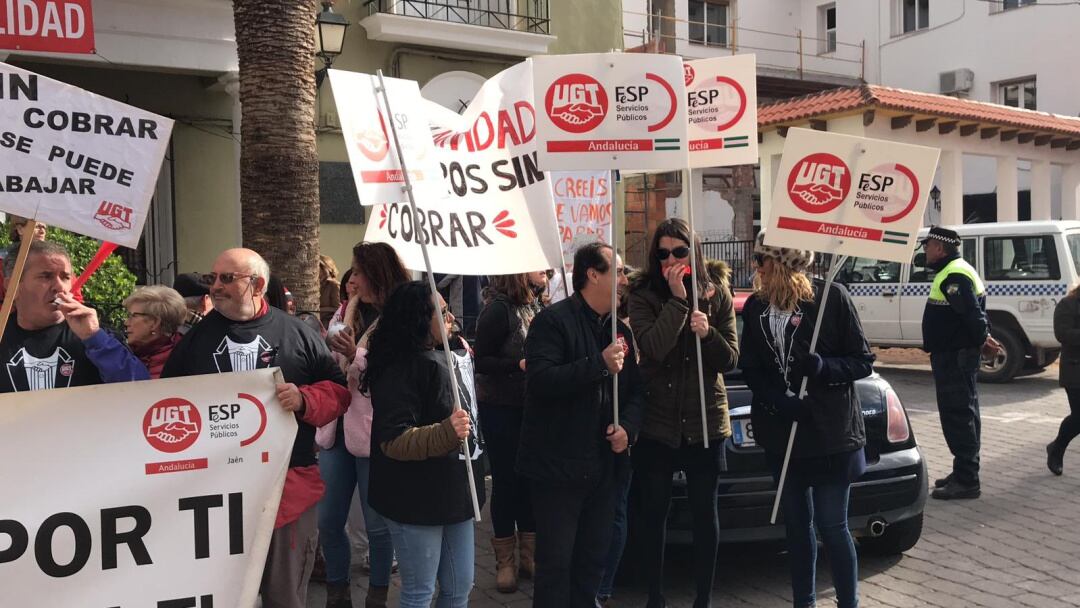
x=694, y=300
x=834, y=268
x=614, y=298
x=434, y=293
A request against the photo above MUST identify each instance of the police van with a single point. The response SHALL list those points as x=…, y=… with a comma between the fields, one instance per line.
x=1027, y=268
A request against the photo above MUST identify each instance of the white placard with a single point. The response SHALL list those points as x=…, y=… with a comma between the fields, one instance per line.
x=369, y=143
x=850, y=195
x=500, y=216
x=610, y=111
x=722, y=111
x=77, y=160
x=141, y=493
x=583, y=205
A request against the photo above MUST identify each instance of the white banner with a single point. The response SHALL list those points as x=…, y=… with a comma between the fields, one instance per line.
x=610, y=111
x=159, y=493
x=369, y=140
x=500, y=217
x=722, y=107
x=77, y=160
x=583, y=206
x=850, y=195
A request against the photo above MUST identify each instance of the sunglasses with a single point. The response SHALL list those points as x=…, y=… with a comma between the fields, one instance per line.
x=226, y=277
x=759, y=259
x=444, y=311
x=679, y=252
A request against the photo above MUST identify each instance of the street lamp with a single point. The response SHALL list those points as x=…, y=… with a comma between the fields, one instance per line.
x=935, y=195
x=329, y=38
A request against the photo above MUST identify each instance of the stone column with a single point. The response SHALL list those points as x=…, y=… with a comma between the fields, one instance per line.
x=1007, y=204
x=1040, y=190
x=952, y=187
x=1070, y=193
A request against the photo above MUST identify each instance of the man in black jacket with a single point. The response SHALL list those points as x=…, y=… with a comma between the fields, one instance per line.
x=571, y=447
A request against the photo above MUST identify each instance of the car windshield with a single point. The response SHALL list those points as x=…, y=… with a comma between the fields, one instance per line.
x=1074, y=250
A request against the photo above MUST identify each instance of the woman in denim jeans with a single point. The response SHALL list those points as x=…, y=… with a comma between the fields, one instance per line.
x=778, y=323
x=344, y=461
x=419, y=480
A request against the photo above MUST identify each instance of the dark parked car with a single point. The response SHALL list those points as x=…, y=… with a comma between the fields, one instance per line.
x=885, y=511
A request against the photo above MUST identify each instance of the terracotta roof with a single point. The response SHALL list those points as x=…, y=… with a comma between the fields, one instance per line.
x=850, y=99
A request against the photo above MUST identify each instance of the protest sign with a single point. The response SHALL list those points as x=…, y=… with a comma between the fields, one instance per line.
x=77, y=160
x=722, y=110
x=376, y=169
x=159, y=493
x=55, y=26
x=610, y=111
x=850, y=195
x=583, y=208
x=500, y=216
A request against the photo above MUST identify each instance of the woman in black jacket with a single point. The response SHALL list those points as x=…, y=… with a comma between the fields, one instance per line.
x=418, y=480
x=513, y=301
x=778, y=322
x=1067, y=331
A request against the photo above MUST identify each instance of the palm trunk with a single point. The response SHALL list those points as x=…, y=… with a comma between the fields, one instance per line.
x=279, y=163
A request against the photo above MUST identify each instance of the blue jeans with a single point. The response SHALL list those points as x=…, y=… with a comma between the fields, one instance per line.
x=511, y=502
x=344, y=474
x=618, y=535
x=430, y=553
x=824, y=505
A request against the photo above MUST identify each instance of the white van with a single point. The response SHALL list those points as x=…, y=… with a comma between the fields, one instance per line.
x=1027, y=268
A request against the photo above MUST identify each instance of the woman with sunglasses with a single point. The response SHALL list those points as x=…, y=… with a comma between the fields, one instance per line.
x=667, y=324
x=778, y=325
x=154, y=316
x=345, y=459
x=419, y=482
x=512, y=302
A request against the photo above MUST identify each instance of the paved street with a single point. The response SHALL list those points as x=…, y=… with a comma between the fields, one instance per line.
x=1019, y=545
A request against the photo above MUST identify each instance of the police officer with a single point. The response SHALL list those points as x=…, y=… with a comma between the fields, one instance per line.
x=955, y=329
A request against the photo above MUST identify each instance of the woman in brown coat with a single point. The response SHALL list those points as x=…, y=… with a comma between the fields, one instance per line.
x=672, y=436
x=1067, y=331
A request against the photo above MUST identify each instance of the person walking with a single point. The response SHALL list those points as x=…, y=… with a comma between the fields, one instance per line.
x=500, y=386
x=419, y=481
x=955, y=329
x=1067, y=331
x=572, y=449
x=778, y=325
x=672, y=436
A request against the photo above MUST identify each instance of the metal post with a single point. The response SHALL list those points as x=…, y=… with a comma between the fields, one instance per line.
x=689, y=186
x=800, y=54
x=434, y=291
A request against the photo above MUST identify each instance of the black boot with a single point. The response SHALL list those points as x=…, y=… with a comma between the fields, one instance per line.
x=942, y=482
x=1054, y=457
x=954, y=490
x=338, y=595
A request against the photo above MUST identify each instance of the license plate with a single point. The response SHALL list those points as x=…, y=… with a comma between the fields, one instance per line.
x=743, y=433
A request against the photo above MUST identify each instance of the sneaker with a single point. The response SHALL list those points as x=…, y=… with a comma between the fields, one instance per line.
x=944, y=481
x=955, y=490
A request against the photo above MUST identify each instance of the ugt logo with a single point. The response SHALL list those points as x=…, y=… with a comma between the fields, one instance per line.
x=114, y=216
x=172, y=425
x=576, y=103
x=819, y=183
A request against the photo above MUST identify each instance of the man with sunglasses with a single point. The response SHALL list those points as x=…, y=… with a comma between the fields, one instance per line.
x=243, y=333
x=52, y=340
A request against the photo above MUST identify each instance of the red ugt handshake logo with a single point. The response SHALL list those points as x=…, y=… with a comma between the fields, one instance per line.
x=819, y=183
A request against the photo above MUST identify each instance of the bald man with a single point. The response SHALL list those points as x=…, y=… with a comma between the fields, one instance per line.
x=244, y=333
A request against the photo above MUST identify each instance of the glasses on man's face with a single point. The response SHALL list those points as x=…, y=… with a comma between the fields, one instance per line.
x=679, y=252
x=226, y=277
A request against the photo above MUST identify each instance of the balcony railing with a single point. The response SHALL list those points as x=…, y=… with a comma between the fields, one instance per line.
x=531, y=16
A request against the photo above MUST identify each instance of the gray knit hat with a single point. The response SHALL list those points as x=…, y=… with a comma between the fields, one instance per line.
x=795, y=259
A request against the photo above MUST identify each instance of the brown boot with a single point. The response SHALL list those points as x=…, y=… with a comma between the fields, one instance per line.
x=376, y=597
x=338, y=595
x=527, y=549
x=505, y=574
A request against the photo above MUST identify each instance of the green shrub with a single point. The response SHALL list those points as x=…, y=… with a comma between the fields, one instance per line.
x=106, y=288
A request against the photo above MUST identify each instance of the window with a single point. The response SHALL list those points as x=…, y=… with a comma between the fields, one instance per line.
x=914, y=15
x=921, y=274
x=1074, y=249
x=1017, y=94
x=1021, y=259
x=868, y=270
x=708, y=22
x=827, y=28
x=1005, y=5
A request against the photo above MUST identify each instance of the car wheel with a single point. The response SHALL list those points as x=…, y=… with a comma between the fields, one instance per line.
x=1005, y=365
x=896, y=539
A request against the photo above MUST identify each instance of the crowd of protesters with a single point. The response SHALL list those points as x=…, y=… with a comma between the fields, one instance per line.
x=378, y=418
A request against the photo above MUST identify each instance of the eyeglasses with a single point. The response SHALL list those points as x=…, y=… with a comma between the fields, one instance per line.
x=226, y=277
x=444, y=311
x=759, y=259
x=140, y=314
x=679, y=252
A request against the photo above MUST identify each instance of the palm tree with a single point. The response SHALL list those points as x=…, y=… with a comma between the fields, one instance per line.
x=279, y=163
